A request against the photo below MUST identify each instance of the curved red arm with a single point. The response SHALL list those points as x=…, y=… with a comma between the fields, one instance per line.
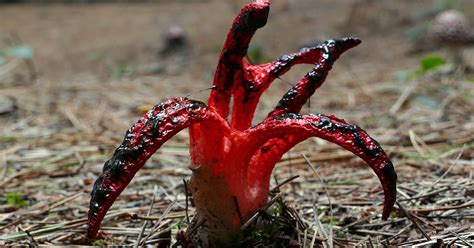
x=259, y=77
x=230, y=66
x=297, y=96
x=296, y=128
x=140, y=142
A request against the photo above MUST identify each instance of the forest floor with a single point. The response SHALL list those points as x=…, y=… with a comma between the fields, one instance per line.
x=96, y=67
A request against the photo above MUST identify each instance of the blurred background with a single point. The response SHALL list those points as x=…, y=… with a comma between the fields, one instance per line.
x=74, y=75
x=130, y=54
x=62, y=42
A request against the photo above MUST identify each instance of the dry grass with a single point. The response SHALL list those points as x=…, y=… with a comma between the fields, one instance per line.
x=50, y=161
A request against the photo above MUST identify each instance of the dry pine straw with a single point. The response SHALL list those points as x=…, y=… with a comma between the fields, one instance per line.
x=50, y=161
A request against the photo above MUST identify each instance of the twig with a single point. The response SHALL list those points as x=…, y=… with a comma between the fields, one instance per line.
x=428, y=210
x=146, y=221
x=186, y=195
x=82, y=163
x=44, y=229
x=426, y=194
x=313, y=240
x=6, y=68
x=372, y=232
x=400, y=232
x=33, y=242
x=446, y=172
x=200, y=91
x=356, y=222
x=305, y=237
x=75, y=121
x=414, y=143
x=48, y=209
x=330, y=238
x=403, y=97
x=322, y=182
x=370, y=242
x=269, y=204
x=276, y=188
x=435, y=237
x=157, y=225
x=237, y=208
x=408, y=215
x=194, y=228
x=293, y=213
x=318, y=222
x=379, y=224
x=320, y=226
x=462, y=239
x=61, y=202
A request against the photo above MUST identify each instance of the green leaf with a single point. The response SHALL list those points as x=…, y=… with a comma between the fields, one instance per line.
x=17, y=199
x=330, y=220
x=20, y=51
x=393, y=215
x=7, y=138
x=37, y=231
x=431, y=62
x=99, y=242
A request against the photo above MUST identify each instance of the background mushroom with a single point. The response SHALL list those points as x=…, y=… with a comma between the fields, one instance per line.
x=450, y=29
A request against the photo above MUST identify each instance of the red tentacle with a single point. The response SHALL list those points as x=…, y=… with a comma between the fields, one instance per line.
x=294, y=128
x=297, y=96
x=140, y=142
x=229, y=68
x=259, y=77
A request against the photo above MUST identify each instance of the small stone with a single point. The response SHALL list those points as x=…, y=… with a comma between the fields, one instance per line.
x=175, y=41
